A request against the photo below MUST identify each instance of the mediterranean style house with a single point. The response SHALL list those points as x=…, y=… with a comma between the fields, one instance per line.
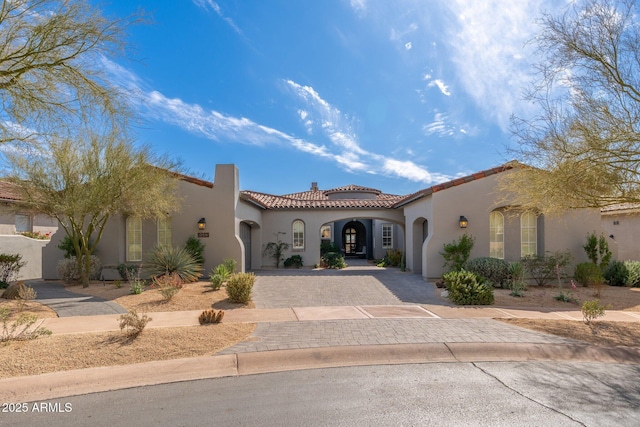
x=361, y=221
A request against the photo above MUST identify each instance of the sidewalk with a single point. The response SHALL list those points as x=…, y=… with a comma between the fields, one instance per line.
x=320, y=337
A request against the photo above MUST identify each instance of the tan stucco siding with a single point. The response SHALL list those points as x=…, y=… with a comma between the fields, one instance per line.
x=625, y=228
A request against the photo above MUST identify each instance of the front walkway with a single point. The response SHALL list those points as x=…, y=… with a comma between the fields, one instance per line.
x=71, y=304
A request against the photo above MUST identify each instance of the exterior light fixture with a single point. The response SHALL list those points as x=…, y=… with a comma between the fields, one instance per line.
x=464, y=222
x=202, y=224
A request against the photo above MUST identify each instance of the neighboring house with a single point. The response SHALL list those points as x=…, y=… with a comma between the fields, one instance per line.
x=621, y=225
x=15, y=220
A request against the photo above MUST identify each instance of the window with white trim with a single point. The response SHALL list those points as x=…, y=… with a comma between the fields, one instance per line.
x=387, y=236
x=298, y=234
x=496, y=235
x=528, y=234
x=134, y=239
x=164, y=231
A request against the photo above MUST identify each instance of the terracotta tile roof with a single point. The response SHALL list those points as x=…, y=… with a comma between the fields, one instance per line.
x=454, y=183
x=9, y=192
x=621, y=208
x=319, y=199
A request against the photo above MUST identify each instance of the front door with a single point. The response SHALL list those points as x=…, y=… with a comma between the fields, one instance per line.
x=354, y=238
x=245, y=236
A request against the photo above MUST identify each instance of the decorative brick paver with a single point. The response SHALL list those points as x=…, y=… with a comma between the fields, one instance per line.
x=330, y=333
x=362, y=284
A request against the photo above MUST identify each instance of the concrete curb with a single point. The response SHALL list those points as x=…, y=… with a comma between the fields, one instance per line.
x=94, y=380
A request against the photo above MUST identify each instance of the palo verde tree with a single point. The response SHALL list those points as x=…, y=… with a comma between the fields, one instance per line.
x=53, y=57
x=83, y=183
x=585, y=142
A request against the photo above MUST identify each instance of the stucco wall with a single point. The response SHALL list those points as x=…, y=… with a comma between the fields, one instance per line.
x=475, y=200
x=31, y=251
x=626, y=234
x=282, y=220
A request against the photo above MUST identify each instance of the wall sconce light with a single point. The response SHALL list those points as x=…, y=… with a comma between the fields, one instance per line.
x=464, y=222
x=202, y=224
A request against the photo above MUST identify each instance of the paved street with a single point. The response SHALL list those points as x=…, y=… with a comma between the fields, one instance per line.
x=437, y=394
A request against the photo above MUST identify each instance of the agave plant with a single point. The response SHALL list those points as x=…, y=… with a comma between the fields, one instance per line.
x=166, y=260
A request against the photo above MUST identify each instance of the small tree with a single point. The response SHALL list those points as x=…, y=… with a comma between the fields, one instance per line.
x=597, y=250
x=82, y=183
x=52, y=68
x=457, y=253
x=276, y=249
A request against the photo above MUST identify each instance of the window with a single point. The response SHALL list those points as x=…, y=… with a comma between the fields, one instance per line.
x=387, y=236
x=528, y=234
x=23, y=223
x=164, y=231
x=134, y=239
x=496, y=235
x=325, y=232
x=298, y=234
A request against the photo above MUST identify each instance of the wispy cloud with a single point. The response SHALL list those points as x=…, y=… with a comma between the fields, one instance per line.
x=212, y=5
x=439, y=126
x=440, y=85
x=489, y=49
x=348, y=151
x=317, y=114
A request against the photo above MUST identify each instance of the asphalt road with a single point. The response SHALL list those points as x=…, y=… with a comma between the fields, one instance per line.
x=435, y=394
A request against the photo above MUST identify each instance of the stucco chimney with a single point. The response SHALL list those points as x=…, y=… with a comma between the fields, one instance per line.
x=314, y=186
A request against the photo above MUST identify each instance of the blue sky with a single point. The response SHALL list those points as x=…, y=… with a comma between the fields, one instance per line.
x=396, y=95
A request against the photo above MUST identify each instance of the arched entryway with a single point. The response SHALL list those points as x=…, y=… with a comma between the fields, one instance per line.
x=354, y=238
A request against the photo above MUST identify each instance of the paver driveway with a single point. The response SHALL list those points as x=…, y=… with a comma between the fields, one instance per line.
x=359, y=284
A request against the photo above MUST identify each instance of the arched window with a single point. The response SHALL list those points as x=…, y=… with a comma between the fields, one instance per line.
x=496, y=235
x=298, y=234
x=528, y=234
x=134, y=239
x=164, y=231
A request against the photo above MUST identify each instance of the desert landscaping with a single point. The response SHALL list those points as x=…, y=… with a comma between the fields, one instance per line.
x=65, y=352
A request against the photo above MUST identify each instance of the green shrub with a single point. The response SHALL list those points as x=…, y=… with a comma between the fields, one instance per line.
x=393, y=258
x=66, y=245
x=136, y=286
x=166, y=260
x=457, y=253
x=293, y=261
x=333, y=260
x=133, y=323
x=616, y=273
x=328, y=247
x=597, y=250
x=20, y=329
x=127, y=271
x=494, y=270
x=195, y=248
x=467, y=288
x=68, y=269
x=516, y=281
x=230, y=265
x=10, y=265
x=588, y=274
x=240, y=286
x=591, y=310
x=218, y=276
x=633, y=268
x=544, y=268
